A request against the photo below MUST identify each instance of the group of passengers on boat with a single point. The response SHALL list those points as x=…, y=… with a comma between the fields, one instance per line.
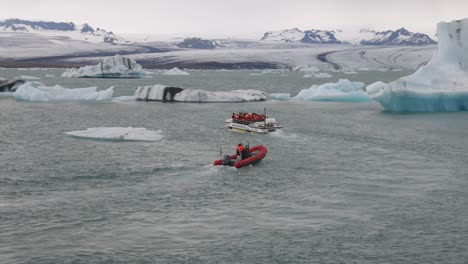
x=247, y=117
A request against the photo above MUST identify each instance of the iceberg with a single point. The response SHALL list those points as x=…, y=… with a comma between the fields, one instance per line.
x=36, y=91
x=343, y=90
x=175, y=94
x=111, y=67
x=176, y=71
x=280, y=96
x=440, y=85
x=119, y=133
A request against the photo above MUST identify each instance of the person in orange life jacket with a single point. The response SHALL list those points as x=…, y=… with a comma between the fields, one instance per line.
x=240, y=151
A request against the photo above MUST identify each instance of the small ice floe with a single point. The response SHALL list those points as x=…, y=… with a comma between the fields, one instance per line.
x=280, y=96
x=110, y=67
x=317, y=75
x=28, y=78
x=176, y=71
x=36, y=91
x=322, y=75
x=119, y=133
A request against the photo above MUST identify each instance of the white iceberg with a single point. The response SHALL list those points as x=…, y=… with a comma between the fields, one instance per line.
x=322, y=75
x=344, y=90
x=36, y=91
x=119, y=133
x=111, y=67
x=176, y=71
x=441, y=85
x=163, y=93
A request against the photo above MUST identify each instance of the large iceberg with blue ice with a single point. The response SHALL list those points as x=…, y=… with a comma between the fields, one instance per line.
x=110, y=67
x=343, y=91
x=175, y=94
x=36, y=91
x=441, y=85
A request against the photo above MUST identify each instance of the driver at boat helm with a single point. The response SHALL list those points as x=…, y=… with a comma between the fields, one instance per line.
x=240, y=151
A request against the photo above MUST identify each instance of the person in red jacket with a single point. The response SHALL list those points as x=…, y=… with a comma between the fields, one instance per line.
x=240, y=151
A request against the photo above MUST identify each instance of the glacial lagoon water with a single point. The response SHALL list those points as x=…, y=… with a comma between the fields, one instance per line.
x=342, y=182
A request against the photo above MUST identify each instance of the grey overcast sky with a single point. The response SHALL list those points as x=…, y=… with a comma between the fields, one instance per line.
x=234, y=18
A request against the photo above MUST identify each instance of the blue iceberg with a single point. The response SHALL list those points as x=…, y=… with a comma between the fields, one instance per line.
x=342, y=91
x=439, y=86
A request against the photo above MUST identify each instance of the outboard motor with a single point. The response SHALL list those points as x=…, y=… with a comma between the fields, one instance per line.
x=226, y=160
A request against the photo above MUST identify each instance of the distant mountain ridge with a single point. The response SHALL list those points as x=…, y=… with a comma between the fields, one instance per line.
x=296, y=35
x=198, y=43
x=398, y=37
x=85, y=31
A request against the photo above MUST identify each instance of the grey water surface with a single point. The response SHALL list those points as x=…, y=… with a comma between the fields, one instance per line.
x=342, y=182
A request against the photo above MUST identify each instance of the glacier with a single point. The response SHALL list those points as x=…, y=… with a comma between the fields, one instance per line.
x=344, y=91
x=118, y=133
x=439, y=86
x=110, y=67
x=36, y=91
x=164, y=93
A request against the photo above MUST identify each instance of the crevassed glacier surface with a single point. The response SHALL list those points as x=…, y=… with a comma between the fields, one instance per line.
x=119, y=133
x=441, y=85
x=110, y=67
x=36, y=91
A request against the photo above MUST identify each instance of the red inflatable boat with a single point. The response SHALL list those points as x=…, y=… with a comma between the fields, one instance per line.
x=256, y=154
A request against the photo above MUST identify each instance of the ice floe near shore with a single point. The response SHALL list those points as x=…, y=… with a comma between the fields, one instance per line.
x=175, y=94
x=36, y=91
x=110, y=67
x=343, y=90
x=441, y=85
x=119, y=133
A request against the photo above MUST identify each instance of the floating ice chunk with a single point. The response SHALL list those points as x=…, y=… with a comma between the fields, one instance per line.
x=280, y=96
x=36, y=91
x=119, y=133
x=350, y=72
x=28, y=78
x=440, y=85
x=111, y=67
x=322, y=75
x=5, y=94
x=309, y=69
x=344, y=90
x=50, y=75
x=163, y=93
x=176, y=71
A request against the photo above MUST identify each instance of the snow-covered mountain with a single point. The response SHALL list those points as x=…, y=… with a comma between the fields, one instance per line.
x=197, y=43
x=296, y=35
x=398, y=37
x=363, y=37
x=66, y=29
